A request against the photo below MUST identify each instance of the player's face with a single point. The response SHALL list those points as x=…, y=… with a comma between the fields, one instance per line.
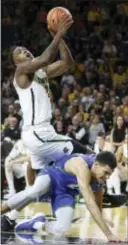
x=102, y=172
x=21, y=54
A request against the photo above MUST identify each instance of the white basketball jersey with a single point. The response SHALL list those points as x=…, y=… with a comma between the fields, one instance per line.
x=35, y=100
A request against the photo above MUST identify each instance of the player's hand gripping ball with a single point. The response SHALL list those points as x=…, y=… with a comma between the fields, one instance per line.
x=54, y=16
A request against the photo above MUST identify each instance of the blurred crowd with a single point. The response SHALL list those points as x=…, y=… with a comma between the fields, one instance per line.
x=90, y=101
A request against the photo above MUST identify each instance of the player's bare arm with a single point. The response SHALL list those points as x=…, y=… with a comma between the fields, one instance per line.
x=59, y=67
x=49, y=54
x=77, y=167
x=99, y=198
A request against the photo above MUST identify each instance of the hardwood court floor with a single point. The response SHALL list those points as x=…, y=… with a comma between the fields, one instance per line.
x=83, y=226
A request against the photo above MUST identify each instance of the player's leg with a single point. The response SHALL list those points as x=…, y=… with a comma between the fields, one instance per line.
x=64, y=216
x=45, y=146
x=21, y=199
x=8, y=221
x=48, y=145
x=63, y=208
x=34, y=150
x=57, y=145
x=55, y=150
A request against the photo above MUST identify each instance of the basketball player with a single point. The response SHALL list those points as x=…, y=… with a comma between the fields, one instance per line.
x=72, y=173
x=16, y=165
x=114, y=181
x=31, y=84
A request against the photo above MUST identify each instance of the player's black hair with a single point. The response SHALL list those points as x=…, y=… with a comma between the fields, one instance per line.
x=107, y=158
x=11, y=55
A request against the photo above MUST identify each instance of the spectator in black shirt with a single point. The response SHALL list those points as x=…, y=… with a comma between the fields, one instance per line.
x=108, y=116
x=118, y=132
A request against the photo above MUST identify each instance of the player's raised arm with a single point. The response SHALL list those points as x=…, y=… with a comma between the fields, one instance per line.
x=59, y=67
x=80, y=170
x=50, y=53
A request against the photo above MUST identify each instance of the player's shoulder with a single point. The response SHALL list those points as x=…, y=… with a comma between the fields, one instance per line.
x=20, y=80
x=80, y=159
x=87, y=157
x=77, y=165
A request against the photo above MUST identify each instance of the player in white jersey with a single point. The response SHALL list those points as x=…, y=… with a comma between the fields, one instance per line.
x=31, y=84
x=16, y=165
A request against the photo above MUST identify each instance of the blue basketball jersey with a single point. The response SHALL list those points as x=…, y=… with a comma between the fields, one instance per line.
x=64, y=186
x=63, y=181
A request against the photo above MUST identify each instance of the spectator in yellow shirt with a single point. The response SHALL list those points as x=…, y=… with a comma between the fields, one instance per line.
x=125, y=107
x=94, y=14
x=119, y=77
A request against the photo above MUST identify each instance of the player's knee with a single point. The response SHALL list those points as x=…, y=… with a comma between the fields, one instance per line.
x=62, y=228
x=64, y=217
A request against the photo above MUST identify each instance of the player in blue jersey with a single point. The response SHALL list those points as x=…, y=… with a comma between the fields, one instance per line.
x=77, y=172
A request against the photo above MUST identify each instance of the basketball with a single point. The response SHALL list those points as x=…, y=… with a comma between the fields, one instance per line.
x=55, y=15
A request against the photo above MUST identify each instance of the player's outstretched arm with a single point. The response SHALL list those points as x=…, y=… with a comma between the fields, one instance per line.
x=45, y=58
x=99, y=198
x=59, y=67
x=78, y=167
x=65, y=54
x=99, y=201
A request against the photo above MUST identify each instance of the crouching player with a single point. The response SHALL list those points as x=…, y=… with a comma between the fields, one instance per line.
x=86, y=173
